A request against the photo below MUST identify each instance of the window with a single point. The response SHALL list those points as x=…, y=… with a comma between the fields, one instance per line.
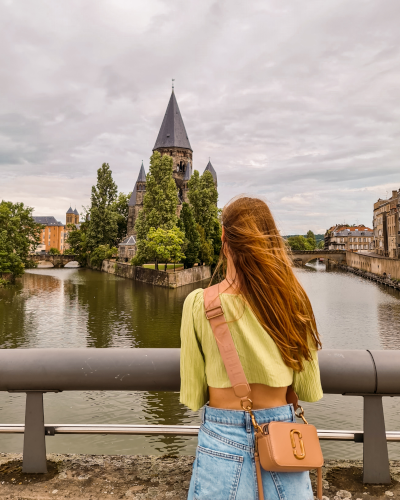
x=359, y=239
x=351, y=247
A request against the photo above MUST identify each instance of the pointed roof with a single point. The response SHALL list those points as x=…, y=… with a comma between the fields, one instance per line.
x=188, y=171
x=211, y=169
x=129, y=240
x=76, y=212
x=70, y=211
x=172, y=132
x=141, y=178
x=142, y=174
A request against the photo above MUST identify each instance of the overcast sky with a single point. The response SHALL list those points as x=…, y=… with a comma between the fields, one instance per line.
x=298, y=101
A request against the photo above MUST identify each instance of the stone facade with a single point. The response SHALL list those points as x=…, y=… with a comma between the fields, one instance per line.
x=350, y=238
x=386, y=226
x=157, y=278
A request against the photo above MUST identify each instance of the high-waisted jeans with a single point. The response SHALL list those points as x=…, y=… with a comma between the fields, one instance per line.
x=224, y=468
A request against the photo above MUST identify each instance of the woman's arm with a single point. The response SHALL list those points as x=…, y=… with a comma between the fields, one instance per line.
x=194, y=389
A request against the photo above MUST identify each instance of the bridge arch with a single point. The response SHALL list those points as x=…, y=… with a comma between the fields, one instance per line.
x=301, y=258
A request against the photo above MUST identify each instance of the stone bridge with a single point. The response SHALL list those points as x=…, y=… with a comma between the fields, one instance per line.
x=301, y=257
x=56, y=260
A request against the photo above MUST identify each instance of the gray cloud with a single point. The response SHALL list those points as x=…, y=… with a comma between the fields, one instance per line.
x=295, y=101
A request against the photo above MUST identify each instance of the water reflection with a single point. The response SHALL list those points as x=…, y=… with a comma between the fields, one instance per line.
x=82, y=308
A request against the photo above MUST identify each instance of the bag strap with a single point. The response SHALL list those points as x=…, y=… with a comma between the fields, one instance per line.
x=215, y=315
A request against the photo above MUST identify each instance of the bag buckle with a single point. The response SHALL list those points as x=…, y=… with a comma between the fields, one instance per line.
x=211, y=315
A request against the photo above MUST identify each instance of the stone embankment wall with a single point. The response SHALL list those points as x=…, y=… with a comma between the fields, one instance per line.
x=374, y=264
x=157, y=278
x=139, y=477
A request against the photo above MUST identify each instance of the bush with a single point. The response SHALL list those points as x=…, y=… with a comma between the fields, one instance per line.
x=54, y=251
x=101, y=253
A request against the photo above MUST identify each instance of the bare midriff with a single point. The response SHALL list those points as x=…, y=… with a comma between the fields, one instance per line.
x=262, y=396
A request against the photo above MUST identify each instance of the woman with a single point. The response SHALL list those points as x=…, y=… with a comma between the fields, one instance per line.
x=273, y=327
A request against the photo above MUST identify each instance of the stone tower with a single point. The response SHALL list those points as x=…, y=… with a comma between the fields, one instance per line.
x=72, y=216
x=211, y=169
x=135, y=203
x=173, y=141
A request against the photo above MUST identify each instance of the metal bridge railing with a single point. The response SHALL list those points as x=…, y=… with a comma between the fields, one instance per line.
x=368, y=374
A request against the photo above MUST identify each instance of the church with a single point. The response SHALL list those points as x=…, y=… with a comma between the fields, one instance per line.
x=172, y=140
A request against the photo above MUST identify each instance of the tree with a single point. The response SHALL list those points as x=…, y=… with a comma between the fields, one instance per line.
x=19, y=235
x=321, y=245
x=103, y=225
x=187, y=224
x=297, y=243
x=206, y=253
x=120, y=207
x=311, y=241
x=101, y=253
x=203, y=197
x=165, y=245
x=77, y=242
x=159, y=203
x=54, y=251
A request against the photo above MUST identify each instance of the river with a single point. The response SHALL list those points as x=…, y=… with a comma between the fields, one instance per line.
x=74, y=307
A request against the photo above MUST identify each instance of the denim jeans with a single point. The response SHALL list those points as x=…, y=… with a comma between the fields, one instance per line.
x=224, y=468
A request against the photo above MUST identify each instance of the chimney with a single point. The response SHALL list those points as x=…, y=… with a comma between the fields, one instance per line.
x=394, y=194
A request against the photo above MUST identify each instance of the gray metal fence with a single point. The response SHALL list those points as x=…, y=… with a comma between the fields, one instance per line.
x=368, y=374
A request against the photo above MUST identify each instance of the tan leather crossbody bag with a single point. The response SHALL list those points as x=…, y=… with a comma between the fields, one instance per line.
x=279, y=446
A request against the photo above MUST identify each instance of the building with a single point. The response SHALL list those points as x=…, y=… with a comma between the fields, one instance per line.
x=386, y=226
x=350, y=238
x=172, y=140
x=71, y=217
x=52, y=234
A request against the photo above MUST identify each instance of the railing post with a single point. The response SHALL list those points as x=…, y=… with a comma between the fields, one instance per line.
x=375, y=453
x=34, y=457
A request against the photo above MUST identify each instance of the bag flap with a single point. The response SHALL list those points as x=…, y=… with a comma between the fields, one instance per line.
x=294, y=444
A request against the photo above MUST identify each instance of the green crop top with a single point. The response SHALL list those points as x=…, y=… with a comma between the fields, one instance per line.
x=202, y=365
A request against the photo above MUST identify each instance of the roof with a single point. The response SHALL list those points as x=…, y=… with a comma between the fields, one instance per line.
x=188, y=171
x=130, y=240
x=76, y=212
x=47, y=221
x=141, y=178
x=172, y=132
x=70, y=211
x=211, y=169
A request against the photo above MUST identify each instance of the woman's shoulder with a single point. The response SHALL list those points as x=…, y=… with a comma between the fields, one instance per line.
x=195, y=299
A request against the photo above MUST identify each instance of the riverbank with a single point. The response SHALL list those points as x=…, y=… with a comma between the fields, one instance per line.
x=157, y=278
x=155, y=477
x=372, y=277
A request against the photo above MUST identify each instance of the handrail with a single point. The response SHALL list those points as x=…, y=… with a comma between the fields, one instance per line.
x=342, y=371
x=370, y=374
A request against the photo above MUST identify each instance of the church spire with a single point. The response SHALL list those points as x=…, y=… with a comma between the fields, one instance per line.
x=172, y=133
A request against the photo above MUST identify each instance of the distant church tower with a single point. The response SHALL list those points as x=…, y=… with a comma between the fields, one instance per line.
x=173, y=141
x=135, y=203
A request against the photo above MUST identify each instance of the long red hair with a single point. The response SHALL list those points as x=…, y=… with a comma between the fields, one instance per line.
x=265, y=279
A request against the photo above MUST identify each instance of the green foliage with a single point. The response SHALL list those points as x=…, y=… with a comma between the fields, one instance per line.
x=101, y=253
x=69, y=251
x=206, y=253
x=301, y=243
x=188, y=225
x=159, y=204
x=103, y=226
x=311, y=241
x=19, y=235
x=165, y=245
x=77, y=242
x=54, y=251
x=121, y=208
x=321, y=245
x=203, y=197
